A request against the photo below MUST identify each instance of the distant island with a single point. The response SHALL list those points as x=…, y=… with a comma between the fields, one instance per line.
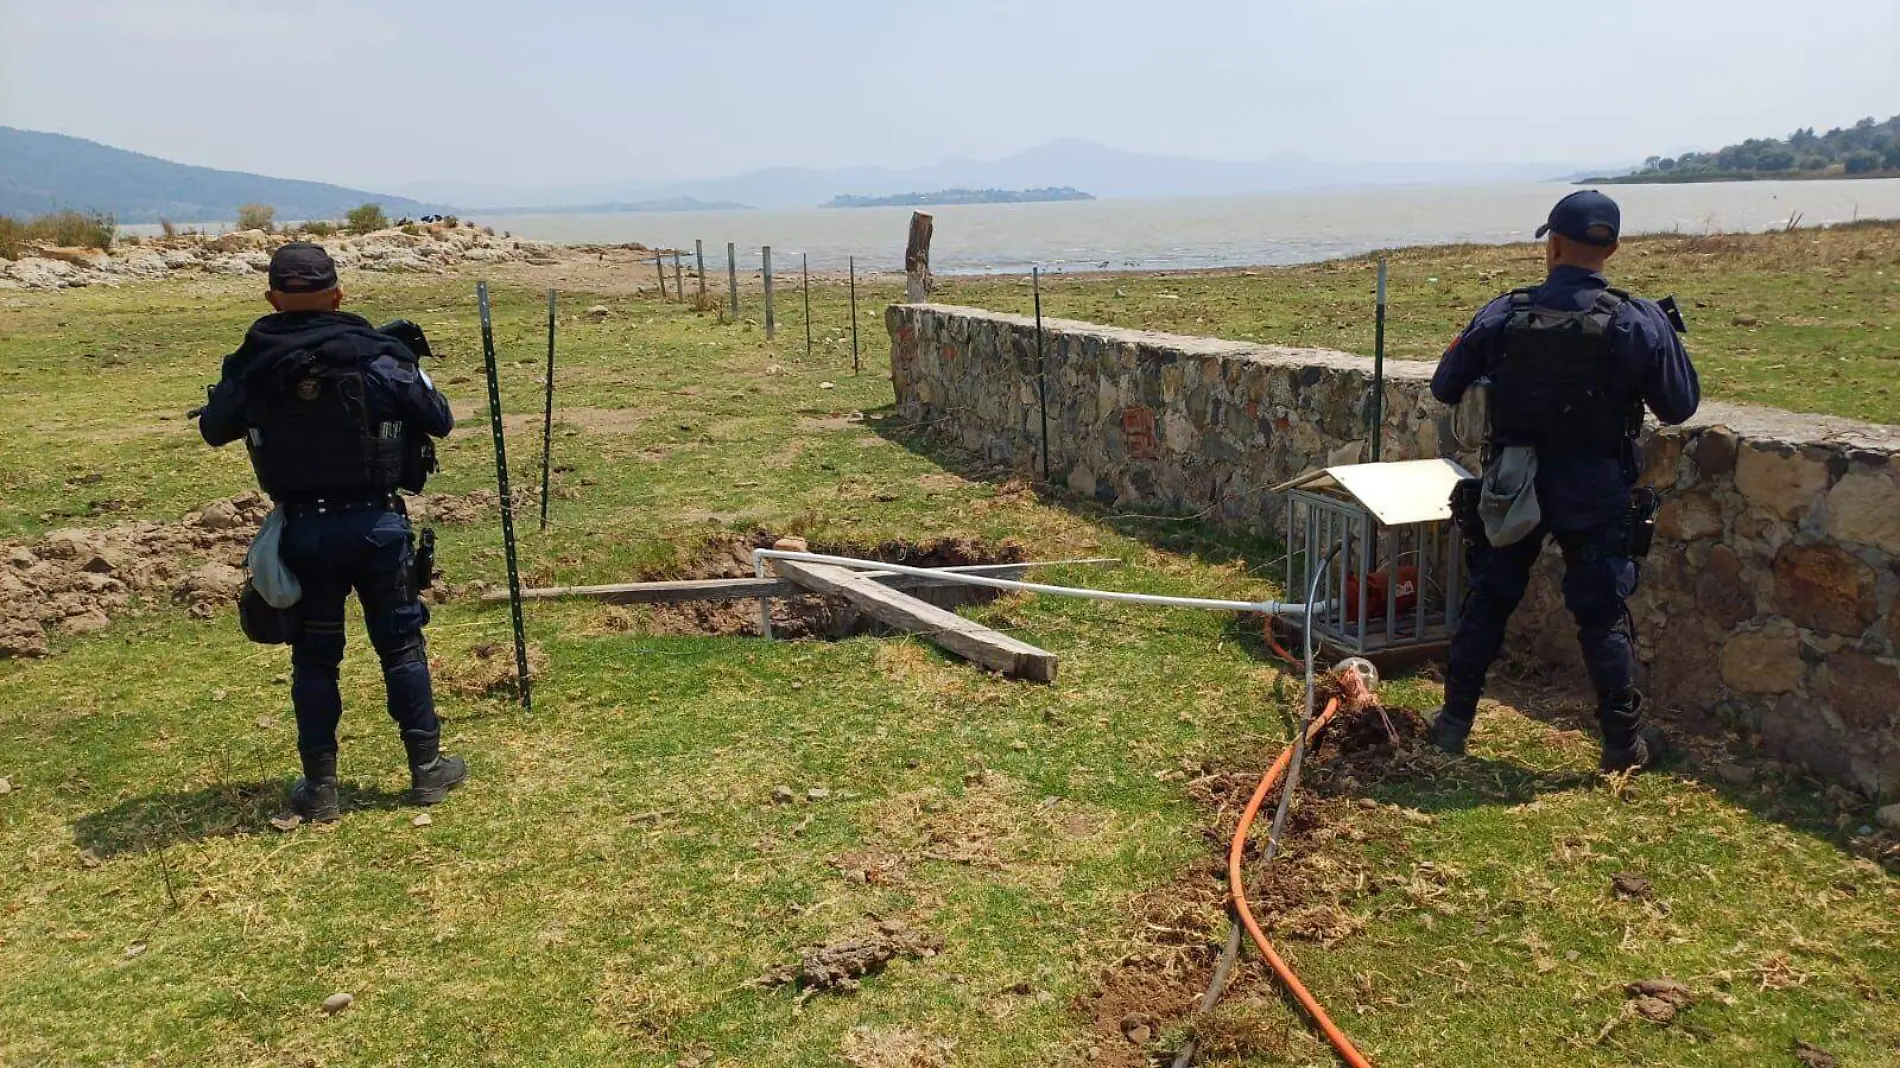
x=961, y=196
x=1867, y=149
x=668, y=204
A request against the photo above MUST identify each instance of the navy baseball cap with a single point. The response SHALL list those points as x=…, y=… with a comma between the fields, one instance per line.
x=301, y=267
x=1582, y=212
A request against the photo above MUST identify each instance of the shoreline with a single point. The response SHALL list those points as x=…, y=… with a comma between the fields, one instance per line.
x=436, y=250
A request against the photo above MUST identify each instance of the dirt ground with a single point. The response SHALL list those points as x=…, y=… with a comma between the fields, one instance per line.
x=77, y=580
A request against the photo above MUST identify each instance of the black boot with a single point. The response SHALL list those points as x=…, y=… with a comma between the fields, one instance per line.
x=1449, y=729
x=314, y=796
x=431, y=775
x=1629, y=744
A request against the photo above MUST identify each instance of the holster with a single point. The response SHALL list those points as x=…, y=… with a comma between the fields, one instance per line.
x=1642, y=521
x=422, y=566
x=1464, y=510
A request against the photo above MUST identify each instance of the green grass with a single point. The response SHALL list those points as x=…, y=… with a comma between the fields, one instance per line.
x=1804, y=321
x=616, y=873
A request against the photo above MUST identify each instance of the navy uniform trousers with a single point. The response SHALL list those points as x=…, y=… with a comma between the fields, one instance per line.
x=1599, y=578
x=369, y=550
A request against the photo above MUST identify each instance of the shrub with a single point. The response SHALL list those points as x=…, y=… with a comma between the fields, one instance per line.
x=319, y=228
x=451, y=221
x=77, y=229
x=167, y=226
x=411, y=229
x=1863, y=163
x=367, y=217
x=257, y=217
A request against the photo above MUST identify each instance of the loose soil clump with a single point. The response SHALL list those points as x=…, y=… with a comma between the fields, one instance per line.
x=838, y=966
x=76, y=580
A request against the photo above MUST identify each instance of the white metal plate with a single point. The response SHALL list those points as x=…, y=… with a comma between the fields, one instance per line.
x=1406, y=491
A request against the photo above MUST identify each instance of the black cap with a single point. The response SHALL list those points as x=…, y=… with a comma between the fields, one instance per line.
x=301, y=267
x=1586, y=216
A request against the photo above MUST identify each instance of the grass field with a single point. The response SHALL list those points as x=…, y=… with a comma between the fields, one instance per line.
x=618, y=872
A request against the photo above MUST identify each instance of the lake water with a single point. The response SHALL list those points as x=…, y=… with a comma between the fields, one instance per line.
x=1205, y=232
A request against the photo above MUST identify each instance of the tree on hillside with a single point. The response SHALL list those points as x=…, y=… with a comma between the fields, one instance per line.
x=1804, y=149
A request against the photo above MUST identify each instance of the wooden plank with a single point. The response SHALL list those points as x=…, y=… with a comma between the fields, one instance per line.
x=972, y=641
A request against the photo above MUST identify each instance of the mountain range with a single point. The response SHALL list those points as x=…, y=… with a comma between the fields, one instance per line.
x=43, y=171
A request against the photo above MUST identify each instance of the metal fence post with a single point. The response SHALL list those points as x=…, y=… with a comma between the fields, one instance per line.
x=547, y=417
x=771, y=327
x=523, y=684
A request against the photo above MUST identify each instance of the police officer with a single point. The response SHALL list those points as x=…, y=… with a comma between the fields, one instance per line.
x=337, y=416
x=1570, y=365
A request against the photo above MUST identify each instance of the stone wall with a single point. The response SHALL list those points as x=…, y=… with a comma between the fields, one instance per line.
x=1772, y=597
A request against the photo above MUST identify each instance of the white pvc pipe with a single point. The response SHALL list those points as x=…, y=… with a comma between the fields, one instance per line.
x=1270, y=608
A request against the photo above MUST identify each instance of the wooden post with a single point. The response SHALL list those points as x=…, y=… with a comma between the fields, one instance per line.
x=699, y=264
x=852, y=267
x=917, y=258
x=679, y=282
x=659, y=266
x=804, y=271
x=771, y=327
x=732, y=282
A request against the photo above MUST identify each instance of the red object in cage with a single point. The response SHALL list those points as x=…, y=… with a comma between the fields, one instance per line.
x=1377, y=587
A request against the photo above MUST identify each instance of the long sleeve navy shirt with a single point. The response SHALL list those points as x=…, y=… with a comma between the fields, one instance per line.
x=1581, y=492
x=398, y=388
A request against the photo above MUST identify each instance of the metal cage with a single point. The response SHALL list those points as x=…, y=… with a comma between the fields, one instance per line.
x=1392, y=559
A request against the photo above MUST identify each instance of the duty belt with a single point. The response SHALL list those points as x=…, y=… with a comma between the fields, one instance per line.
x=332, y=505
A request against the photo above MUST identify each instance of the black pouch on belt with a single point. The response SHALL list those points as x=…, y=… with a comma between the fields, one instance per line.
x=1642, y=521
x=1464, y=508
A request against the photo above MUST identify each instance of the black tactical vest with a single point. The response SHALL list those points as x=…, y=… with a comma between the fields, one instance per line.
x=313, y=435
x=1557, y=384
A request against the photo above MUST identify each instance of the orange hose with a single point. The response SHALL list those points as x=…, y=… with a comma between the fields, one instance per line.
x=1347, y=1051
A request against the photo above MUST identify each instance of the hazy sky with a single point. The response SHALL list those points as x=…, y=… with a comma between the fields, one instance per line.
x=376, y=93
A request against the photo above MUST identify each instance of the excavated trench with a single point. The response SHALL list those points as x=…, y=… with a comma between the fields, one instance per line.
x=826, y=618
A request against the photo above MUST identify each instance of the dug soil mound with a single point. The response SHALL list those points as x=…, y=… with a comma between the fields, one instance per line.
x=77, y=580
x=1315, y=892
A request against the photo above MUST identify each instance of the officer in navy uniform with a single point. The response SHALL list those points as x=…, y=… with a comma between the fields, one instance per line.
x=1570, y=364
x=337, y=417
